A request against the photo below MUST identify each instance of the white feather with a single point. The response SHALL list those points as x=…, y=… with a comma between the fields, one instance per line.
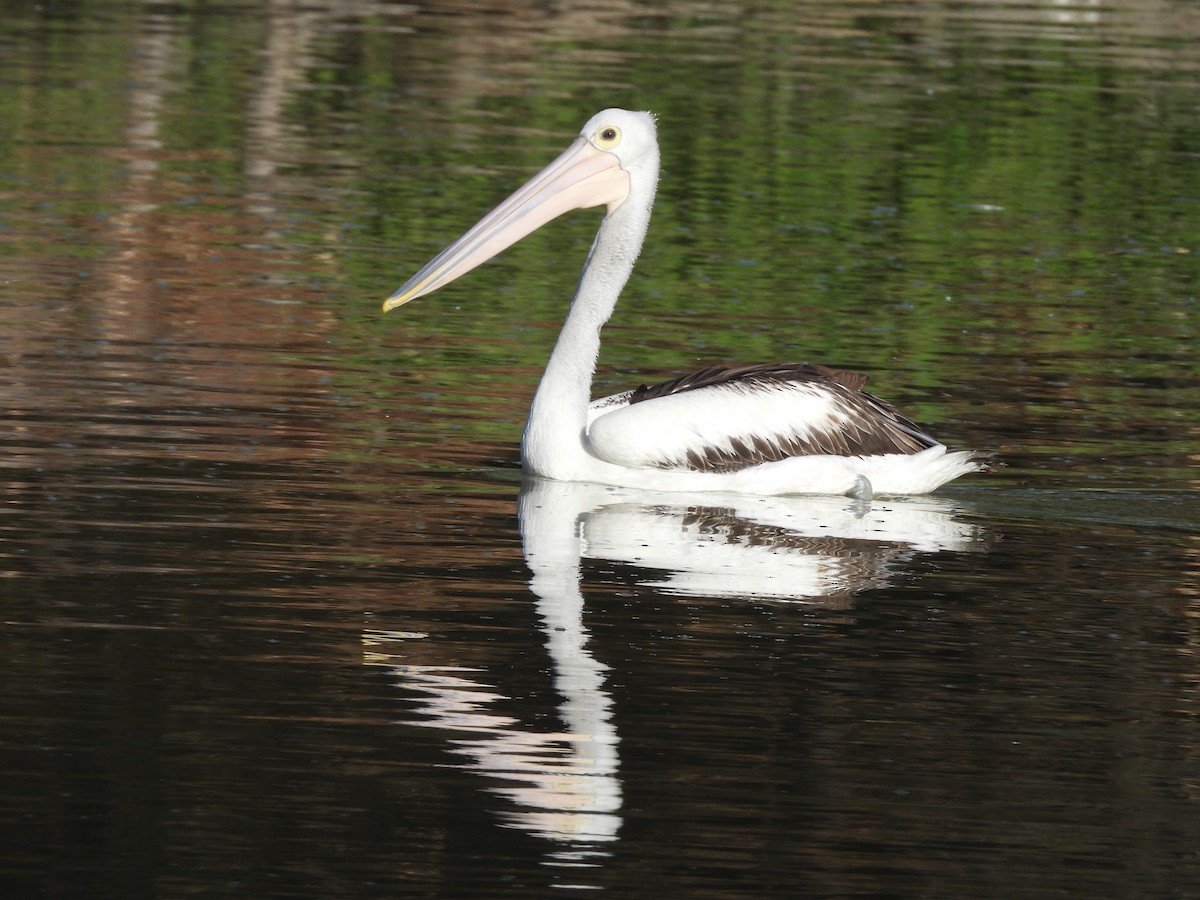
x=663, y=431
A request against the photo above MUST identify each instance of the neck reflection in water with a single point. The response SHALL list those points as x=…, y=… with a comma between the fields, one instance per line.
x=565, y=786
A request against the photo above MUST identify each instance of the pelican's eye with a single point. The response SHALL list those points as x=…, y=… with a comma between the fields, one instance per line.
x=608, y=137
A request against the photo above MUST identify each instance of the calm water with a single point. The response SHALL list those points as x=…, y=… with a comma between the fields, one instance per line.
x=280, y=617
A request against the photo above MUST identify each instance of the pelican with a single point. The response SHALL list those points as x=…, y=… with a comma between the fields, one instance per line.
x=759, y=429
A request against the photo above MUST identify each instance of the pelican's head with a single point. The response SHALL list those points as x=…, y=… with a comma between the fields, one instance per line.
x=629, y=136
x=614, y=157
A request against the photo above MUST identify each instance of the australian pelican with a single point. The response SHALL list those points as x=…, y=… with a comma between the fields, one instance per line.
x=761, y=429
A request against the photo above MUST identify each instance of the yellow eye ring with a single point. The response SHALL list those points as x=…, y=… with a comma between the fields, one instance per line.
x=608, y=137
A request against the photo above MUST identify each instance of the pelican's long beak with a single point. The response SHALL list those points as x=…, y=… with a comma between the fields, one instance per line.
x=580, y=178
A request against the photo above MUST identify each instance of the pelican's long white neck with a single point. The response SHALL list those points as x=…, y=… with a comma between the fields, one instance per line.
x=554, y=444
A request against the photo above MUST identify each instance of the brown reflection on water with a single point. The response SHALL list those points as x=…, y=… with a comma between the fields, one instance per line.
x=154, y=403
x=186, y=330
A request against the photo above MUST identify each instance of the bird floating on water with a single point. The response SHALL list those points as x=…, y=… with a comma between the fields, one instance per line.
x=783, y=428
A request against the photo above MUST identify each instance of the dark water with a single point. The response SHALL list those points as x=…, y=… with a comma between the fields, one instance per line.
x=280, y=617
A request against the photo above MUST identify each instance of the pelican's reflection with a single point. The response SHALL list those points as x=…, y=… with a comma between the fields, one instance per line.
x=565, y=786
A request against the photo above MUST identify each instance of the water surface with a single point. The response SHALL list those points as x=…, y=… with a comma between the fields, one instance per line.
x=281, y=616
